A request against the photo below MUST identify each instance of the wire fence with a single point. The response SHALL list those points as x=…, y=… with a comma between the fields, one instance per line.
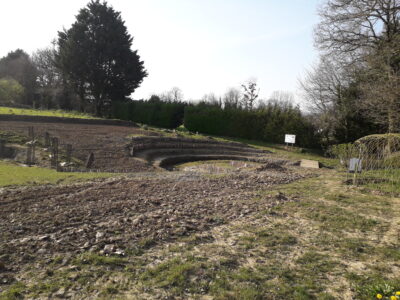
x=372, y=162
x=49, y=148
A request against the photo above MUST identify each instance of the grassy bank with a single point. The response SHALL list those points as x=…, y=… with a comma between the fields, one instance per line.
x=13, y=174
x=48, y=113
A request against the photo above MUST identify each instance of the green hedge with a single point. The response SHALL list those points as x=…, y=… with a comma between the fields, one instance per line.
x=269, y=124
x=155, y=113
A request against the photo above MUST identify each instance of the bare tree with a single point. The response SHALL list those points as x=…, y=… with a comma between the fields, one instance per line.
x=232, y=98
x=173, y=95
x=177, y=94
x=282, y=96
x=49, y=80
x=351, y=27
x=323, y=85
x=366, y=33
x=380, y=86
x=322, y=88
x=212, y=99
x=250, y=94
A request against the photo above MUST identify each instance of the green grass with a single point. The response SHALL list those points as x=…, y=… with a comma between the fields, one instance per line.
x=15, y=291
x=99, y=260
x=13, y=138
x=12, y=174
x=179, y=275
x=386, y=181
x=292, y=153
x=48, y=113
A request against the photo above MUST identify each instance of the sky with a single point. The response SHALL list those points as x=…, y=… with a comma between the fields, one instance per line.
x=200, y=46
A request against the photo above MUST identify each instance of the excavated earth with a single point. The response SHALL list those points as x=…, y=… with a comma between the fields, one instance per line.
x=115, y=215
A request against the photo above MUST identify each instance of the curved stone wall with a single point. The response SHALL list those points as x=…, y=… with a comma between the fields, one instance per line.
x=167, y=151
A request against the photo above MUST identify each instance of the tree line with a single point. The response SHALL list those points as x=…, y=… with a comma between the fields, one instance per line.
x=235, y=114
x=354, y=88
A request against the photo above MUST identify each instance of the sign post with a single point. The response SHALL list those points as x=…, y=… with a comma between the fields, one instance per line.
x=290, y=139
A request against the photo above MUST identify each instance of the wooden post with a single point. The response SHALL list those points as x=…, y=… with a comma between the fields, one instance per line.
x=2, y=148
x=33, y=150
x=47, y=139
x=69, y=152
x=30, y=154
x=54, y=152
x=90, y=160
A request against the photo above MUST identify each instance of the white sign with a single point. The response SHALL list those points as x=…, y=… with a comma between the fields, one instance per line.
x=290, y=138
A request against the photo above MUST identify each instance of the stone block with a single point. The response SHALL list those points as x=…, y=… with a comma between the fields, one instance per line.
x=306, y=163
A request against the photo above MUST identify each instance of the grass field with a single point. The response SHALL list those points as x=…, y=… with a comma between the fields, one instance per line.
x=13, y=174
x=39, y=112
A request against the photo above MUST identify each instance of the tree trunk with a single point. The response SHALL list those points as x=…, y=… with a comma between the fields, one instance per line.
x=98, y=107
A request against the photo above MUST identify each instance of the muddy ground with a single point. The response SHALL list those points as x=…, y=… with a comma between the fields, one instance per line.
x=113, y=216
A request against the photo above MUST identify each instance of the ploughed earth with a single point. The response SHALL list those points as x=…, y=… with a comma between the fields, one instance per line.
x=107, y=143
x=111, y=216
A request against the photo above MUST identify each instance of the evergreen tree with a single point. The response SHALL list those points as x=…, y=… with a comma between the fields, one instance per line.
x=95, y=55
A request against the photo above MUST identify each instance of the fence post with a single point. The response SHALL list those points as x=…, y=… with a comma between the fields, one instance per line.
x=30, y=154
x=69, y=152
x=2, y=147
x=54, y=153
x=47, y=139
x=90, y=160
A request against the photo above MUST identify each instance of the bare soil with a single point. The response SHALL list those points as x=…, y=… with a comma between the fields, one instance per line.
x=115, y=214
x=108, y=143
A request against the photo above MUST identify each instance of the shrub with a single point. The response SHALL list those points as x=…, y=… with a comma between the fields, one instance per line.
x=11, y=92
x=381, y=144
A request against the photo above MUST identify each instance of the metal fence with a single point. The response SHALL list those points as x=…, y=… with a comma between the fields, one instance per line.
x=372, y=162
